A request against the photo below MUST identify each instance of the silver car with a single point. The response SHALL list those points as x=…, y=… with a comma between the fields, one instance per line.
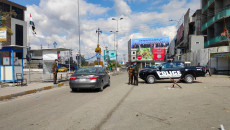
x=89, y=77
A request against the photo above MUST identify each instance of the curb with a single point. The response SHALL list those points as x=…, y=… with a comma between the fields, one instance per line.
x=11, y=96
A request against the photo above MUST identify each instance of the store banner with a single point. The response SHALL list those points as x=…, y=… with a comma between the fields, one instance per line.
x=3, y=32
x=219, y=55
x=159, y=54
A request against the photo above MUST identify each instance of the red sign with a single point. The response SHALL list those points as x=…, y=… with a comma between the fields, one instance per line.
x=139, y=57
x=159, y=54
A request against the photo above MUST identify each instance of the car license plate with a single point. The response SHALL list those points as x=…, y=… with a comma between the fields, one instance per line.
x=82, y=80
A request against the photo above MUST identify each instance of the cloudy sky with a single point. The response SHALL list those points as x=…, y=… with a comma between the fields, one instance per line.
x=56, y=21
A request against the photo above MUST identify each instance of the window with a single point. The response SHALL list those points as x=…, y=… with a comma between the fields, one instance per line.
x=19, y=35
x=167, y=65
x=4, y=7
x=178, y=65
x=85, y=70
x=197, y=42
x=19, y=12
x=134, y=58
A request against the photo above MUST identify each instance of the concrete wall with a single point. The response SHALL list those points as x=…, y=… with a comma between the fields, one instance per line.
x=13, y=26
x=196, y=42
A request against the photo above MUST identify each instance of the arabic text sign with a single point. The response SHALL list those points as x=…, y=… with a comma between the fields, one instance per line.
x=3, y=34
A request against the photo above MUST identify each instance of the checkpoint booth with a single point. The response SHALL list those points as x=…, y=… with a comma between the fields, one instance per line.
x=10, y=65
x=48, y=57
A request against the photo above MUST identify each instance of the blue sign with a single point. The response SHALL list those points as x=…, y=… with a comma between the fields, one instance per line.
x=98, y=55
x=121, y=62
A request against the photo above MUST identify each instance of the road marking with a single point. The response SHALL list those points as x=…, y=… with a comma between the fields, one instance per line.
x=108, y=116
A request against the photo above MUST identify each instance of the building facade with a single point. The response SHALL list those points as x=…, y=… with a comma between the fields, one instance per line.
x=215, y=18
x=17, y=24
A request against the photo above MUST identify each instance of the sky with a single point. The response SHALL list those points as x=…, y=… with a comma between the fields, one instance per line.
x=57, y=21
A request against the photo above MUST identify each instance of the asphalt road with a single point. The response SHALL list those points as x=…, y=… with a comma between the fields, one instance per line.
x=203, y=105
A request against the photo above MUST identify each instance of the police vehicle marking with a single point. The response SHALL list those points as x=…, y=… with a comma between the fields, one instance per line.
x=169, y=74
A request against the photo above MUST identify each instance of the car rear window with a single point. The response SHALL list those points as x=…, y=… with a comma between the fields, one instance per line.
x=85, y=70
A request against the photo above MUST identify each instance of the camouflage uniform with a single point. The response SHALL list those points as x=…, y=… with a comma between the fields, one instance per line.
x=55, y=71
x=130, y=71
x=135, y=73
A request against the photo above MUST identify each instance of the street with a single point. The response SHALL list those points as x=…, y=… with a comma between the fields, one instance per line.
x=203, y=105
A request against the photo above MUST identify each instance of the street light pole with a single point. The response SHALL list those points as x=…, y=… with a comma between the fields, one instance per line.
x=79, y=35
x=117, y=40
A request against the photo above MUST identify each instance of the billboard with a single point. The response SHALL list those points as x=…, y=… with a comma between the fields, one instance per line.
x=109, y=55
x=159, y=54
x=144, y=54
x=154, y=42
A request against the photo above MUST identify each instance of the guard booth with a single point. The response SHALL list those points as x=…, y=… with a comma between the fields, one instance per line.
x=10, y=65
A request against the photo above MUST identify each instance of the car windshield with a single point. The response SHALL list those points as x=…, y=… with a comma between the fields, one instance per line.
x=85, y=71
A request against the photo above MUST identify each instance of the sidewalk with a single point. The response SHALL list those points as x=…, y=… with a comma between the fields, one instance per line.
x=14, y=91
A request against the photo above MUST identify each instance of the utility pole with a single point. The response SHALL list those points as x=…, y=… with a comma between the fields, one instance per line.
x=98, y=31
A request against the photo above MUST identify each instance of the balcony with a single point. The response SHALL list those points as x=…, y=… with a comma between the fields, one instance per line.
x=207, y=5
x=215, y=40
x=222, y=14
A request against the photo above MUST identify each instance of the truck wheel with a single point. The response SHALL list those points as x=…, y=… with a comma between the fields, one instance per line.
x=188, y=78
x=151, y=79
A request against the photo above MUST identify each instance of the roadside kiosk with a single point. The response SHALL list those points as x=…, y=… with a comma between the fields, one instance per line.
x=10, y=66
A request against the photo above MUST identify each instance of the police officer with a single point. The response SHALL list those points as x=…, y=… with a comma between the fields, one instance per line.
x=55, y=71
x=130, y=71
x=135, y=73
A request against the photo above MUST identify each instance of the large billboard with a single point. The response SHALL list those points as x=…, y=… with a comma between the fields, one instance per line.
x=150, y=49
x=154, y=42
x=109, y=55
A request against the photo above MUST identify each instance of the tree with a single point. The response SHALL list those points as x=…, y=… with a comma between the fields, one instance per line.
x=5, y=16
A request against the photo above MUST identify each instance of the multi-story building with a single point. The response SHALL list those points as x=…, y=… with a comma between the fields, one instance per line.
x=17, y=24
x=215, y=17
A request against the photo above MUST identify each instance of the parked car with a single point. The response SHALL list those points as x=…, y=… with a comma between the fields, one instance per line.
x=174, y=70
x=89, y=78
x=62, y=69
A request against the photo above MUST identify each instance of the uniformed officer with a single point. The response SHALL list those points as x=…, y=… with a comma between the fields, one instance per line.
x=135, y=73
x=130, y=71
x=55, y=71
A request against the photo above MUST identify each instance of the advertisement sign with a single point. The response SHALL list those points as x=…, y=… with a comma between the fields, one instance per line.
x=159, y=54
x=3, y=34
x=144, y=54
x=180, y=33
x=50, y=55
x=154, y=42
x=109, y=55
x=219, y=55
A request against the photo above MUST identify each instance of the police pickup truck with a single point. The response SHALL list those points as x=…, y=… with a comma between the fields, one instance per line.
x=173, y=70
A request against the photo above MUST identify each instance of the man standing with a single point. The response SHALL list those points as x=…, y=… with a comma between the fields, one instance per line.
x=130, y=72
x=55, y=71
x=135, y=72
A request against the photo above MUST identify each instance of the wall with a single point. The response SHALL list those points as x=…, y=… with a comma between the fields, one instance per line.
x=24, y=24
x=193, y=42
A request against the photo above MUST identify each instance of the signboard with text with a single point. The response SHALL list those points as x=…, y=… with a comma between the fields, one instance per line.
x=3, y=33
x=159, y=54
x=154, y=42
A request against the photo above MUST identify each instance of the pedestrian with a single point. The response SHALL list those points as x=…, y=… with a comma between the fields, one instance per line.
x=208, y=69
x=55, y=71
x=130, y=72
x=135, y=73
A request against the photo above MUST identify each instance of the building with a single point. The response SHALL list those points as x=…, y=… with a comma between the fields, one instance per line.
x=17, y=24
x=215, y=17
x=147, y=51
x=189, y=37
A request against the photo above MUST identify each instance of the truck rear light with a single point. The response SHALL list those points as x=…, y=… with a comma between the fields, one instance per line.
x=72, y=78
x=93, y=77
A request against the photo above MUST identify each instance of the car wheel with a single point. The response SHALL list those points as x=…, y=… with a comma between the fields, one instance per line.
x=151, y=79
x=188, y=78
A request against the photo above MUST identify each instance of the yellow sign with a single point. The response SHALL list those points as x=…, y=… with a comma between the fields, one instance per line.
x=3, y=34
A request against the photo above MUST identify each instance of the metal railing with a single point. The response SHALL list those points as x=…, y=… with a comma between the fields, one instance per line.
x=215, y=40
x=207, y=5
